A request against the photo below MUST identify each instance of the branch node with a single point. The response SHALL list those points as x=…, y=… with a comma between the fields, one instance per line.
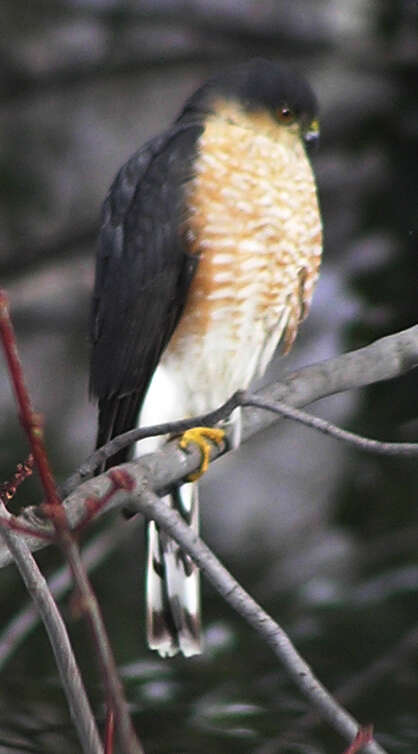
x=121, y=480
x=364, y=736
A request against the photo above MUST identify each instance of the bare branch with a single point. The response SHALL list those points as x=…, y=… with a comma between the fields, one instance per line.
x=386, y=358
x=70, y=675
x=142, y=499
x=146, y=502
x=407, y=449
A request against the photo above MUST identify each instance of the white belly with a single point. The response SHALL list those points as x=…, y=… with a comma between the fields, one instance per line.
x=204, y=375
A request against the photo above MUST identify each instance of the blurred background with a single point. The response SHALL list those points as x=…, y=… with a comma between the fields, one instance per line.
x=323, y=536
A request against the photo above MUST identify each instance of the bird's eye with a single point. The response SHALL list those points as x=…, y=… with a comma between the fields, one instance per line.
x=285, y=115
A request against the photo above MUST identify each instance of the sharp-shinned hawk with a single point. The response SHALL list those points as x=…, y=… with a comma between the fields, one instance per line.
x=209, y=252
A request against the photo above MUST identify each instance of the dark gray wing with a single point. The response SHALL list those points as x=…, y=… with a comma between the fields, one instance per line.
x=143, y=273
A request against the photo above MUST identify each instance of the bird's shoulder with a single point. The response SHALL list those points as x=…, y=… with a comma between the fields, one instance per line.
x=157, y=169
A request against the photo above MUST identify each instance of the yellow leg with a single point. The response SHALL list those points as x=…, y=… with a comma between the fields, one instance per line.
x=198, y=435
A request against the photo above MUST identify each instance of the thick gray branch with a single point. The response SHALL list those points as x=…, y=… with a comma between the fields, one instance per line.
x=386, y=358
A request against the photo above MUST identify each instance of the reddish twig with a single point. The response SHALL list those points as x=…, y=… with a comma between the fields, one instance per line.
x=120, y=480
x=363, y=737
x=109, y=731
x=55, y=511
x=30, y=420
x=89, y=606
x=14, y=524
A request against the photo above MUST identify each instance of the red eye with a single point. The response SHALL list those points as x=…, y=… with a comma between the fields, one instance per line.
x=285, y=115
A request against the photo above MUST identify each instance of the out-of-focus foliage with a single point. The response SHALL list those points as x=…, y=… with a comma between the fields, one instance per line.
x=84, y=83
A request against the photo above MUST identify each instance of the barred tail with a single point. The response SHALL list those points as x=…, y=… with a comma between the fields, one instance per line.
x=173, y=584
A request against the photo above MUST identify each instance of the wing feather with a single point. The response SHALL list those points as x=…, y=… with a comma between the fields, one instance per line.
x=143, y=273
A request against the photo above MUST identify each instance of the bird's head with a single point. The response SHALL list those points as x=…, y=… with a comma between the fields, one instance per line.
x=260, y=94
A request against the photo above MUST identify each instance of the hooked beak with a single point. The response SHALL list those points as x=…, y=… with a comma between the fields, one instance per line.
x=311, y=136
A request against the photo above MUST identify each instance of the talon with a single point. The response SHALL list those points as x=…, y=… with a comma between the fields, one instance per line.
x=198, y=435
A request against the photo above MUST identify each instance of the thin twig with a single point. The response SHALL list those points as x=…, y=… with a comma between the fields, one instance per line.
x=70, y=675
x=406, y=449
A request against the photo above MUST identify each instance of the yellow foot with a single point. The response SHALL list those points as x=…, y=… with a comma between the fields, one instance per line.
x=198, y=435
